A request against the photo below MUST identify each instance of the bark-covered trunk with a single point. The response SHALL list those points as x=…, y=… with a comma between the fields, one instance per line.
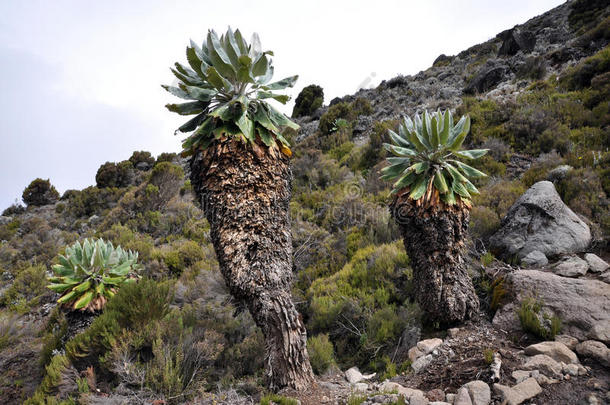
x=245, y=192
x=434, y=240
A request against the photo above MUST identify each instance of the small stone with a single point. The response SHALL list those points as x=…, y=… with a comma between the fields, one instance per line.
x=353, y=375
x=450, y=398
x=435, y=395
x=361, y=387
x=567, y=340
x=543, y=363
x=439, y=403
x=582, y=370
x=453, y=332
x=426, y=346
x=573, y=266
x=571, y=369
x=418, y=399
x=596, y=264
x=479, y=392
x=606, y=277
x=521, y=375
x=555, y=350
x=462, y=397
x=593, y=400
x=421, y=363
x=595, y=350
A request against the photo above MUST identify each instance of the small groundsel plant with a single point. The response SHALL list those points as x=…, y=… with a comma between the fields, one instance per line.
x=226, y=86
x=427, y=159
x=90, y=273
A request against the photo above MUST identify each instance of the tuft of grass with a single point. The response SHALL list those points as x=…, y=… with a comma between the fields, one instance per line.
x=536, y=322
x=274, y=399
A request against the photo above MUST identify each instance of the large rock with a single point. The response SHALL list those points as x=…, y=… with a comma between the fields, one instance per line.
x=535, y=259
x=556, y=350
x=583, y=305
x=479, y=392
x=353, y=375
x=596, y=264
x=540, y=221
x=545, y=364
x=595, y=350
x=515, y=40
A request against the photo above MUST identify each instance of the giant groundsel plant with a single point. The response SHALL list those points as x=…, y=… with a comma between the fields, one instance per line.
x=427, y=161
x=227, y=84
x=90, y=273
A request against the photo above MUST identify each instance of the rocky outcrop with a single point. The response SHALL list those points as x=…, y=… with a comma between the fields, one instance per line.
x=583, y=305
x=540, y=221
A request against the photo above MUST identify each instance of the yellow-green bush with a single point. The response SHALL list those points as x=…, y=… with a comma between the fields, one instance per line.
x=483, y=222
x=321, y=353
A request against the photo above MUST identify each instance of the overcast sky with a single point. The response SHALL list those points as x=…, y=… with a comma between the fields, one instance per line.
x=80, y=80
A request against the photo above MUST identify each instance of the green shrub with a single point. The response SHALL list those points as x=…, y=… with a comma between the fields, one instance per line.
x=29, y=285
x=91, y=201
x=13, y=209
x=308, y=101
x=133, y=307
x=115, y=174
x=483, y=222
x=8, y=230
x=40, y=192
x=142, y=157
x=274, y=399
x=166, y=157
x=534, y=68
x=537, y=322
x=580, y=76
x=348, y=111
x=321, y=353
x=499, y=196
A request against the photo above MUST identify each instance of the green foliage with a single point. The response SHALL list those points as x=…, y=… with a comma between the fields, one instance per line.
x=321, y=353
x=364, y=304
x=422, y=148
x=9, y=229
x=534, y=68
x=133, y=307
x=166, y=157
x=28, y=286
x=187, y=254
x=484, y=221
x=39, y=192
x=227, y=84
x=488, y=354
x=274, y=399
x=580, y=76
x=142, y=157
x=90, y=273
x=308, y=101
x=13, y=209
x=344, y=110
x=374, y=152
x=537, y=322
x=115, y=174
x=583, y=12
x=90, y=201
x=498, y=197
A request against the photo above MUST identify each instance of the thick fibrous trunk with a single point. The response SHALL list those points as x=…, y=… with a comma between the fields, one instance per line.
x=245, y=193
x=434, y=240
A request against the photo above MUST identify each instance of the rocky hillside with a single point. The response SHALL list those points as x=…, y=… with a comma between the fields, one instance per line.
x=538, y=96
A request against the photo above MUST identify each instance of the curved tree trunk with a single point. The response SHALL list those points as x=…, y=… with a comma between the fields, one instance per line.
x=245, y=192
x=434, y=240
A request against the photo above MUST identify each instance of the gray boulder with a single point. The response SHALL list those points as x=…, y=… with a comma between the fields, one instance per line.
x=572, y=266
x=540, y=221
x=596, y=264
x=583, y=305
x=535, y=259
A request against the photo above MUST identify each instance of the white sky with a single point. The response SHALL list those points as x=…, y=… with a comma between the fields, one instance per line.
x=80, y=80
